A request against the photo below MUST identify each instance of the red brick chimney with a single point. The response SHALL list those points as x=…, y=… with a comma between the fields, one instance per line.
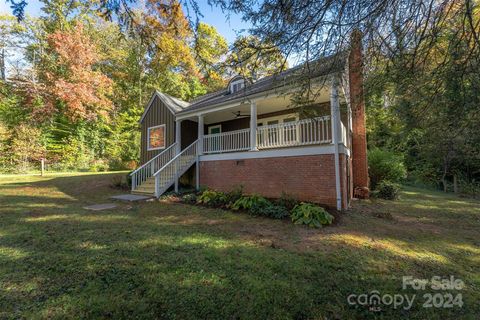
x=357, y=102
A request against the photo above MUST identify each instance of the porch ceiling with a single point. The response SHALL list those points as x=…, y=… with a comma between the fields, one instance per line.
x=265, y=105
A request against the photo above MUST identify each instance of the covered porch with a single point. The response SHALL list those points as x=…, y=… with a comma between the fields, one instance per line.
x=270, y=122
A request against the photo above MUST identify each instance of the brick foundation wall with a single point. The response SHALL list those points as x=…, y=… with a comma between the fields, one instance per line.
x=307, y=178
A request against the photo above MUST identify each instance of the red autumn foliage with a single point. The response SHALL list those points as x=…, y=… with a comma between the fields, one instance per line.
x=83, y=90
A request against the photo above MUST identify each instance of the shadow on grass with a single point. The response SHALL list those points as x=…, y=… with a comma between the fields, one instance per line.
x=155, y=260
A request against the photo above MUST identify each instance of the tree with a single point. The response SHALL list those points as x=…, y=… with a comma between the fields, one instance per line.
x=172, y=58
x=253, y=59
x=210, y=49
x=431, y=104
x=25, y=146
x=78, y=87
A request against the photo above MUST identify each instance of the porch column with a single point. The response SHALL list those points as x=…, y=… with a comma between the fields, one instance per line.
x=199, y=151
x=335, y=120
x=178, y=148
x=253, y=126
x=200, y=134
x=178, y=135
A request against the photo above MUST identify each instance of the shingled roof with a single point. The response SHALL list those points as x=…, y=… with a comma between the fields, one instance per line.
x=314, y=69
x=173, y=104
x=311, y=70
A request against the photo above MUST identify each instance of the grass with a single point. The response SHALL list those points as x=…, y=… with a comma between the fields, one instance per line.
x=169, y=260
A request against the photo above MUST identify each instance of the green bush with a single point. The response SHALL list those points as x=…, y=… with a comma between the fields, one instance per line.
x=234, y=195
x=269, y=210
x=469, y=189
x=246, y=202
x=98, y=166
x=189, y=198
x=387, y=190
x=119, y=182
x=311, y=215
x=385, y=165
x=213, y=198
x=287, y=201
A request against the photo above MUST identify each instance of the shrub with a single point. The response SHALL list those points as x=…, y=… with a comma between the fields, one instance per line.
x=119, y=182
x=385, y=165
x=469, y=189
x=213, y=198
x=189, y=198
x=387, y=190
x=98, y=166
x=270, y=210
x=234, y=195
x=287, y=201
x=311, y=215
x=246, y=202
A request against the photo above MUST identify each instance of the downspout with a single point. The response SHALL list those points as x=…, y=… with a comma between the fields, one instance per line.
x=335, y=111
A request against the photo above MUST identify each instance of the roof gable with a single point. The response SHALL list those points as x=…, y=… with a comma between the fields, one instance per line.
x=174, y=105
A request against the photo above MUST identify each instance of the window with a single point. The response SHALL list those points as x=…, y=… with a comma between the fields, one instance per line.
x=156, y=137
x=215, y=129
x=278, y=119
x=236, y=85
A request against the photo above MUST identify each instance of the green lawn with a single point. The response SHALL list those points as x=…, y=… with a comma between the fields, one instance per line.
x=169, y=260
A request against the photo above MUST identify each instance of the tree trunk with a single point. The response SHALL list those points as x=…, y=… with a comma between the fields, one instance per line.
x=455, y=183
x=444, y=176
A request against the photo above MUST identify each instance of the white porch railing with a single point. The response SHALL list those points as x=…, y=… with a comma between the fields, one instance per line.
x=287, y=134
x=149, y=168
x=238, y=140
x=295, y=133
x=172, y=170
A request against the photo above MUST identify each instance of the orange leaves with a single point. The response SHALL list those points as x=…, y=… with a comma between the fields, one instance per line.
x=75, y=82
x=74, y=48
x=82, y=100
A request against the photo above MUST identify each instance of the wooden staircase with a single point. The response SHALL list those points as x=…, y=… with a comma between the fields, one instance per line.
x=155, y=177
x=147, y=188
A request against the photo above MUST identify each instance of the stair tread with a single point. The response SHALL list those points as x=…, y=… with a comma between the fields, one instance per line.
x=166, y=178
x=139, y=191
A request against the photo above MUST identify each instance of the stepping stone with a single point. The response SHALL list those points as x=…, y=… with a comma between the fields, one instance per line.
x=103, y=206
x=130, y=197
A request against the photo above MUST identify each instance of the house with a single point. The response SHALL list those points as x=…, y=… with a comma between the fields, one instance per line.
x=251, y=135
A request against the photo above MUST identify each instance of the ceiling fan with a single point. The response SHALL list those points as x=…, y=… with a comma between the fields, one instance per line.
x=239, y=114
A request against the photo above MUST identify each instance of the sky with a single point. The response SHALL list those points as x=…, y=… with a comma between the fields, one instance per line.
x=229, y=28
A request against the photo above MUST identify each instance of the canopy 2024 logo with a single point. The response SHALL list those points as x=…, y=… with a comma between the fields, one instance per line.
x=440, y=297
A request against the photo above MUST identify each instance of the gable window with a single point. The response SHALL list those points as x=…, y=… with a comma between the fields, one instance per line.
x=156, y=137
x=237, y=85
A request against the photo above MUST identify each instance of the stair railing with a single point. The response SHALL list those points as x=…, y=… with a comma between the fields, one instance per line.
x=148, y=169
x=172, y=170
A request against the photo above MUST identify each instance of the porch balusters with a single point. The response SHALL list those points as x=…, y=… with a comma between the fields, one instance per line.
x=238, y=140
